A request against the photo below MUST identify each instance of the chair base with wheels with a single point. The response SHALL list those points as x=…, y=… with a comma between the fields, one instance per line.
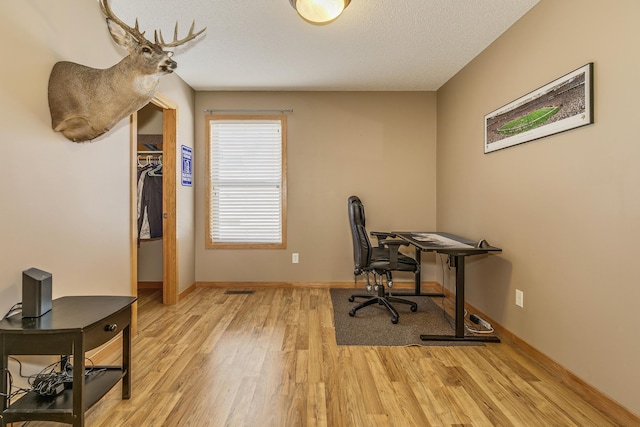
x=383, y=298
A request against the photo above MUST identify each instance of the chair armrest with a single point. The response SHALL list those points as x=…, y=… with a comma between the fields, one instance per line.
x=395, y=243
x=394, y=250
x=381, y=235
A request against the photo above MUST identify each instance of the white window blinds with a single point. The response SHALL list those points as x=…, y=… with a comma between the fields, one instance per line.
x=246, y=173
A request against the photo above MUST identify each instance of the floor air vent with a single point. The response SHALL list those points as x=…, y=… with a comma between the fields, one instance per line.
x=238, y=292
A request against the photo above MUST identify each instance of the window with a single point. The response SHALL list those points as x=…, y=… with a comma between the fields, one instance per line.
x=246, y=170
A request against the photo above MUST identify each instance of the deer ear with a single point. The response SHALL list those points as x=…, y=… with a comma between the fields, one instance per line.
x=120, y=36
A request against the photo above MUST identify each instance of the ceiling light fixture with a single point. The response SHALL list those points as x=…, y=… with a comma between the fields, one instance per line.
x=319, y=11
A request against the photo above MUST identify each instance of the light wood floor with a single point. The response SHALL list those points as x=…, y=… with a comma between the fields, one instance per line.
x=270, y=359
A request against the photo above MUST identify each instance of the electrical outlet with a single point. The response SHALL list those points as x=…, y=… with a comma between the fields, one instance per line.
x=519, y=298
x=294, y=258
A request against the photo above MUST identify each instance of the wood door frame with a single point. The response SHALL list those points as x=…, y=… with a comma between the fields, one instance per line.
x=169, y=203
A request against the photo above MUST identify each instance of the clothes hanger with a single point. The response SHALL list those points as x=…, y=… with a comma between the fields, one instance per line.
x=156, y=171
x=140, y=164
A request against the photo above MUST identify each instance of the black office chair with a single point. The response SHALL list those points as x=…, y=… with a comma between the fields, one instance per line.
x=377, y=261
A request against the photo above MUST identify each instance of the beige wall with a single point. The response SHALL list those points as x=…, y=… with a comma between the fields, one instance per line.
x=565, y=209
x=64, y=207
x=379, y=146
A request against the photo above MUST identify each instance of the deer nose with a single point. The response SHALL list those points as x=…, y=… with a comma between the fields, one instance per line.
x=168, y=66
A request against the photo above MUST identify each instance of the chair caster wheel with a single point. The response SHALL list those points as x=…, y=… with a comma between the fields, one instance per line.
x=414, y=308
x=394, y=320
x=352, y=313
x=351, y=299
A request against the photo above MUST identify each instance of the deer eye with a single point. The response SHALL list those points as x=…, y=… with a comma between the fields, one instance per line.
x=146, y=49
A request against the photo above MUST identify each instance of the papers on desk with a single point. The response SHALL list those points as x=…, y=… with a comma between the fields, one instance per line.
x=438, y=241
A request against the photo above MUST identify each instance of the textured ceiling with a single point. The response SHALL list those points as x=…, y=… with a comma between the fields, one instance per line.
x=386, y=45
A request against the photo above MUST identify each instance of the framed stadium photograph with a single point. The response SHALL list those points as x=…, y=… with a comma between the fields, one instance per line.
x=565, y=103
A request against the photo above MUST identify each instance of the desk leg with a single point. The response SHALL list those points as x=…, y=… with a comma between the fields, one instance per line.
x=459, y=312
x=78, y=381
x=459, y=260
x=4, y=387
x=418, y=281
x=418, y=275
x=126, y=361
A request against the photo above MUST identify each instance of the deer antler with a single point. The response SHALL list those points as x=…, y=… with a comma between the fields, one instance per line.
x=159, y=40
x=135, y=32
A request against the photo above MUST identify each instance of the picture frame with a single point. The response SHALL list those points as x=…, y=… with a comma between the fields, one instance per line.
x=563, y=104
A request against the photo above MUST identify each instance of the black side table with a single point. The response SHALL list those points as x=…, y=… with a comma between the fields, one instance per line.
x=74, y=326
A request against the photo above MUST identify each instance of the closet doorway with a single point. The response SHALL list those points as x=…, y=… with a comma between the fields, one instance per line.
x=164, y=248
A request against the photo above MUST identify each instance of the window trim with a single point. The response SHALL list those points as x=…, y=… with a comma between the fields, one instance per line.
x=209, y=243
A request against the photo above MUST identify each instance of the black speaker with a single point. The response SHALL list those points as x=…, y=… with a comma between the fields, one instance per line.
x=36, y=292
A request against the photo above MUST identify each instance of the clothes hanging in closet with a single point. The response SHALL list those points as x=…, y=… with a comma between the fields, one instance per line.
x=150, y=202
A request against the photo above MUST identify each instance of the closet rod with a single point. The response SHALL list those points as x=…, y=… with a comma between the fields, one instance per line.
x=210, y=110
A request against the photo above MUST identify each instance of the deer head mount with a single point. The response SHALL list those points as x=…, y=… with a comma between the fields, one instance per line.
x=86, y=102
